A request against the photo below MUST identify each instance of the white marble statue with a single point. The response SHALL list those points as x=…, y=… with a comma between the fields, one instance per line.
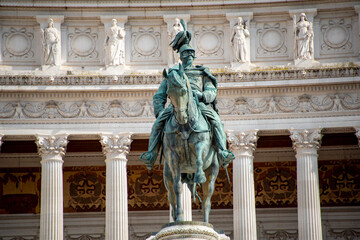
x=304, y=36
x=51, y=44
x=175, y=29
x=114, y=45
x=239, y=34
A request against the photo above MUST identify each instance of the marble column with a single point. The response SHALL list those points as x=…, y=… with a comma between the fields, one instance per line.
x=243, y=145
x=51, y=148
x=306, y=143
x=116, y=147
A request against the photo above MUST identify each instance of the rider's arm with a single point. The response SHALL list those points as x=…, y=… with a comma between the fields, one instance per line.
x=210, y=91
x=160, y=97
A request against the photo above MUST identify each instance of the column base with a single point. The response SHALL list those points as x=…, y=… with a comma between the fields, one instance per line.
x=188, y=230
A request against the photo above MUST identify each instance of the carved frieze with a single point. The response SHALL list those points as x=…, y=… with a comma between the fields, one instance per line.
x=145, y=43
x=349, y=234
x=336, y=36
x=241, y=106
x=83, y=109
x=279, y=234
x=18, y=44
x=271, y=40
x=209, y=41
x=289, y=104
x=82, y=44
x=85, y=237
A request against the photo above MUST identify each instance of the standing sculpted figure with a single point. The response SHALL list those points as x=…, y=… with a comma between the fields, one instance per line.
x=175, y=29
x=51, y=43
x=114, y=45
x=304, y=36
x=238, y=40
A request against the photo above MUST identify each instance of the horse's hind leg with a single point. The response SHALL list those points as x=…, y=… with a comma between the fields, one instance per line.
x=208, y=188
x=168, y=181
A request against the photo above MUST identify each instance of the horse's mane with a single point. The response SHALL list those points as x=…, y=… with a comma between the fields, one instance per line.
x=175, y=79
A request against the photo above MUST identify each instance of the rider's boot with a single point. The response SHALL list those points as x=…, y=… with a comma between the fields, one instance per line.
x=225, y=157
x=149, y=159
x=199, y=174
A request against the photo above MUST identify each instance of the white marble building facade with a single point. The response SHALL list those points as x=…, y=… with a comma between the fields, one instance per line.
x=76, y=95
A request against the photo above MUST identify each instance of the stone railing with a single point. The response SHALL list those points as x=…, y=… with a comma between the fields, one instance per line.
x=222, y=77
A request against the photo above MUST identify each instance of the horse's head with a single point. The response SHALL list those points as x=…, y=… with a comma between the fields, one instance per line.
x=177, y=91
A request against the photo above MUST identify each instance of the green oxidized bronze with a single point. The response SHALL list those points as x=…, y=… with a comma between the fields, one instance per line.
x=188, y=134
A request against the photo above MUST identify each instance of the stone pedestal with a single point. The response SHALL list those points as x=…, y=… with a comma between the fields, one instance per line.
x=305, y=63
x=242, y=66
x=188, y=230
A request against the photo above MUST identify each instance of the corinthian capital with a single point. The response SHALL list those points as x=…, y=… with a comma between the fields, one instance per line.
x=242, y=140
x=1, y=135
x=306, y=138
x=358, y=135
x=52, y=145
x=116, y=143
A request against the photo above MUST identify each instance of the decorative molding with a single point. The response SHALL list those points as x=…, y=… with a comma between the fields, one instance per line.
x=145, y=43
x=306, y=138
x=82, y=44
x=272, y=40
x=51, y=145
x=18, y=44
x=336, y=36
x=209, y=41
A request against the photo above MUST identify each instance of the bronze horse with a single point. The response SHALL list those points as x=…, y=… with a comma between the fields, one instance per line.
x=187, y=138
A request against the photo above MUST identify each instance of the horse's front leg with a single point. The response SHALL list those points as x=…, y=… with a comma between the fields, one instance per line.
x=178, y=190
x=208, y=187
x=169, y=183
x=199, y=152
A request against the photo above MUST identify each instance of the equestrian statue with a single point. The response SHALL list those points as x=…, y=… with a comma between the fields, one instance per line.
x=188, y=134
